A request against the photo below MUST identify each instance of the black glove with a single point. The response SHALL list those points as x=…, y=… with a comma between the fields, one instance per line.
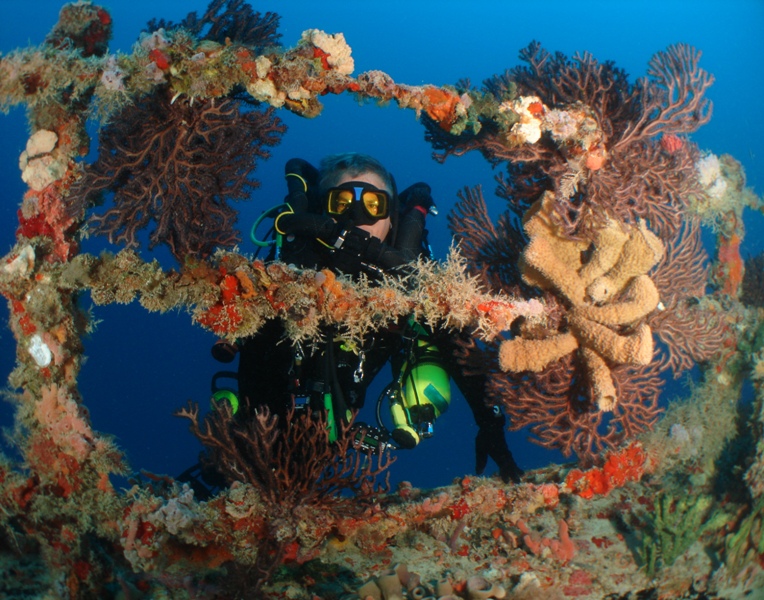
x=490, y=441
x=418, y=194
x=302, y=183
x=356, y=250
x=357, y=242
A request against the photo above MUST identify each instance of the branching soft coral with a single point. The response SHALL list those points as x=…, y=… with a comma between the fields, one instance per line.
x=692, y=329
x=289, y=464
x=293, y=467
x=599, y=150
x=178, y=164
x=556, y=405
x=229, y=19
x=579, y=135
x=491, y=251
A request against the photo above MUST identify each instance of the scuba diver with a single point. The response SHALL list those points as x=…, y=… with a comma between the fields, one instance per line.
x=349, y=218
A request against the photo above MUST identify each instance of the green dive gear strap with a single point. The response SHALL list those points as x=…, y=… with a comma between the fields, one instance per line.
x=331, y=417
x=270, y=213
x=331, y=421
x=224, y=394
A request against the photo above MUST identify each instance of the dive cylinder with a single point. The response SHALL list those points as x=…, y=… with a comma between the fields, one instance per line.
x=423, y=394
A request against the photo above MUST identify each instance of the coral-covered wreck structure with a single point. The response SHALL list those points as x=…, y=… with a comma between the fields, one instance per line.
x=581, y=298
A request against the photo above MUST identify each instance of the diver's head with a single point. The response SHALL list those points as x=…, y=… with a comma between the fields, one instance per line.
x=362, y=200
x=356, y=188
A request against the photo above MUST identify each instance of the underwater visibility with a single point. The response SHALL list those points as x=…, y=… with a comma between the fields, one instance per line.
x=378, y=354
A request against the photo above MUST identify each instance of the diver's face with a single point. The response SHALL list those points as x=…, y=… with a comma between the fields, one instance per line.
x=379, y=229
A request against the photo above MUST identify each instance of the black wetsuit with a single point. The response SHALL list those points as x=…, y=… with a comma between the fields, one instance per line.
x=267, y=360
x=271, y=373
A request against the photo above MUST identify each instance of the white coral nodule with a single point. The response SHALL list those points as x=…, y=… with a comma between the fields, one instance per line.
x=339, y=53
x=528, y=129
x=39, y=351
x=39, y=167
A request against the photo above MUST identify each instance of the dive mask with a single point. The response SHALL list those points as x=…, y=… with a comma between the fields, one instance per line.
x=359, y=201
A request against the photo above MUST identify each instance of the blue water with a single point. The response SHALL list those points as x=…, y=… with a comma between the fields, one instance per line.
x=141, y=367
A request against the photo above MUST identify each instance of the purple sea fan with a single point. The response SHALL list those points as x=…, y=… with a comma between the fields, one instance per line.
x=178, y=164
x=234, y=20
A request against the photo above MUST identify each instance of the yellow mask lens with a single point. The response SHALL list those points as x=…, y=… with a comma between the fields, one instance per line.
x=340, y=201
x=375, y=202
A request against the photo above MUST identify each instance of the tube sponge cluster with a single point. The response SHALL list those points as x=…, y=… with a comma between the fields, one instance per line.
x=609, y=296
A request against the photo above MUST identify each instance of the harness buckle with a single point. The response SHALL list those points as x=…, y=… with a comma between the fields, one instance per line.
x=358, y=373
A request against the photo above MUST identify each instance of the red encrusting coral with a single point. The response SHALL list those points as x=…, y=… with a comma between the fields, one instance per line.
x=730, y=269
x=671, y=143
x=441, y=106
x=224, y=317
x=45, y=214
x=159, y=58
x=84, y=26
x=621, y=467
x=562, y=549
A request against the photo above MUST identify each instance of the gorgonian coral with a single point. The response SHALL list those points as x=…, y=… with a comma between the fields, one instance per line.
x=598, y=147
x=691, y=329
x=229, y=19
x=579, y=135
x=556, y=406
x=292, y=465
x=289, y=463
x=178, y=164
x=491, y=251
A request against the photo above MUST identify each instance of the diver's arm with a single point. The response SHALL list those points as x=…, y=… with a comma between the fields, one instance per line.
x=307, y=224
x=416, y=201
x=357, y=244
x=409, y=239
x=354, y=242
